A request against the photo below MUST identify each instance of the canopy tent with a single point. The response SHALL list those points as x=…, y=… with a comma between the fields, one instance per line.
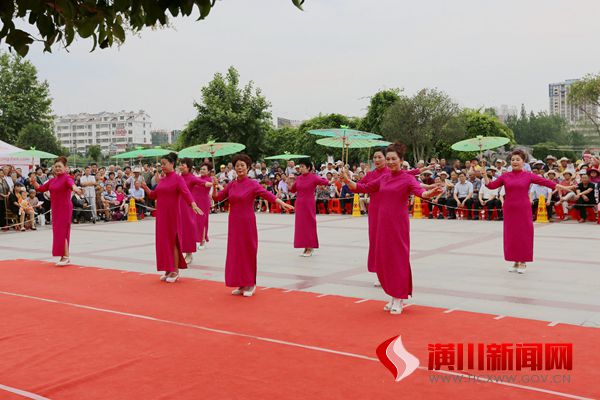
x=18, y=162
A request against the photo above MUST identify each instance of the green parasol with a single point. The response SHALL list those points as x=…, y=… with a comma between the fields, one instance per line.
x=352, y=143
x=155, y=152
x=480, y=143
x=130, y=154
x=33, y=153
x=211, y=149
x=344, y=134
x=286, y=156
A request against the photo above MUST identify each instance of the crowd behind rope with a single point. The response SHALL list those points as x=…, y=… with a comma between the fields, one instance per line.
x=107, y=191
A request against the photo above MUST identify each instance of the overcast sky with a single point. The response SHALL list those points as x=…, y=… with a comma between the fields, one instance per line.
x=335, y=54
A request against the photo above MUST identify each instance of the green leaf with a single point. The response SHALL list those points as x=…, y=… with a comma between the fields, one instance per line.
x=20, y=41
x=45, y=25
x=86, y=28
x=298, y=3
x=204, y=6
x=119, y=32
x=69, y=34
x=95, y=42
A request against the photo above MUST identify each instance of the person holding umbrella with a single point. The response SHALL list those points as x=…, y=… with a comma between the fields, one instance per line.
x=391, y=253
x=60, y=188
x=168, y=192
x=380, y=170
x=242, y=240
x=305, y=226
x=201, y=195
x=188, y=230
x=518, y=220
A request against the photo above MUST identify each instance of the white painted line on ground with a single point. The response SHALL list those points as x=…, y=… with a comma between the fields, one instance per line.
x=277, y=341
x=289, y=290
x=361, y=301
x=265, y=288
x=499, y=316
x=554, y=323
x=23, y=393
x=322, y=295
x=450, y=310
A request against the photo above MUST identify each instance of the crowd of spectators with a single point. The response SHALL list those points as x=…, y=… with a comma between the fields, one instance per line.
x=107, y=190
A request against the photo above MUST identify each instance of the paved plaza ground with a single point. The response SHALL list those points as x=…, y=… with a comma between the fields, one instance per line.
x=457, y=265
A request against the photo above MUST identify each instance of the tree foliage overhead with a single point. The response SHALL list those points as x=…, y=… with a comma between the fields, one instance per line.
x=58, y=22
x=228, y=113
x=585, y=92
x=23, y=99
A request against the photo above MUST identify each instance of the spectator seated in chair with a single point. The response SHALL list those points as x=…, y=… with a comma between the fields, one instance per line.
x=585, y=197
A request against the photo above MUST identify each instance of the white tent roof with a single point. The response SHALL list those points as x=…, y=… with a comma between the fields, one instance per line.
x=6, y=149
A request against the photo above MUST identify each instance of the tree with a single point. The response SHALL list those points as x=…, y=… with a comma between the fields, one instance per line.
x=228, y=113
x=94, y=152
x=279, y=140
x=531, y=129
x=585, y=93
x=40, y=137
x=420, y=121
x=57, y=22
x=541, y=150
x=307, y=143
x=379, y=104
x=477, y=123
x=23, y=99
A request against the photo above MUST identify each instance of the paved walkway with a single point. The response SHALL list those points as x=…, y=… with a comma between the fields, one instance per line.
x=457, y=265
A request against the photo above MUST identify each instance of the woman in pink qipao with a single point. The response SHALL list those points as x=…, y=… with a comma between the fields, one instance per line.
x=242, y=237
x=60, y=188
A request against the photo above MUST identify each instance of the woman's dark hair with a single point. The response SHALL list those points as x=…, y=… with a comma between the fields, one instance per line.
x=187, y=161
x=119, y=186
x=520, y=153
x=242, y=157
x=111, y=173
x=62, y=160
x=397, y=148
x=208, y=165
x=379, y=151
x=309, y=165
x=171, y=157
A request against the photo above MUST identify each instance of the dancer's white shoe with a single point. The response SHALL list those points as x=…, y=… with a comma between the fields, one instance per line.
x=249, y=291
x=238, y=291
x=396, y=306
x=63, y=261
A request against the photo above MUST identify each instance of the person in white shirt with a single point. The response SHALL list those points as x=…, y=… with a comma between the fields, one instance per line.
x=329, y=170
x=462, y=197
x=490, y=198
x=535, y=191
x=137, y=194
x=136, y=177
x=88, y=183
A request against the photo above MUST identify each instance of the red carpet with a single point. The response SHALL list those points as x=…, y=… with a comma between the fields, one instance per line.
x=66, y=351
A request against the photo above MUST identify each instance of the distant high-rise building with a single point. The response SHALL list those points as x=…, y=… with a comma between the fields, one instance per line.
x=560, y=105
x=283, y=122
x=113, y=132
x=164, y=136
x=504, y=111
